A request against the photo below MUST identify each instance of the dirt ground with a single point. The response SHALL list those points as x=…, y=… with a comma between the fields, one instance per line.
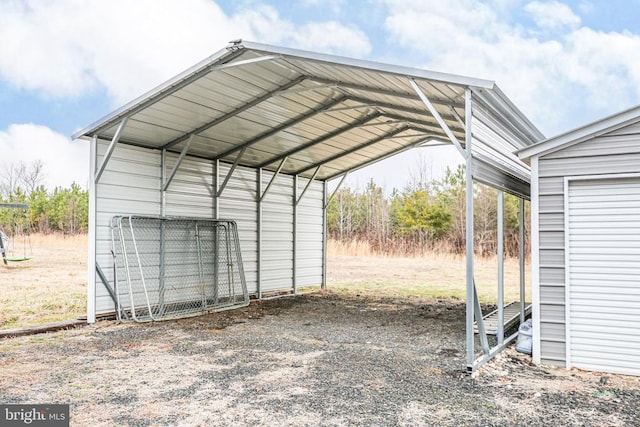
x=317, y=359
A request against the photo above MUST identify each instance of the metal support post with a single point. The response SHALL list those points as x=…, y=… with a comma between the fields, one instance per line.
x=500, y=238
x=521, y=258
x=91, y=262
x=294, y=285
x=259, y=233
x=324, y=236
x=471, y=294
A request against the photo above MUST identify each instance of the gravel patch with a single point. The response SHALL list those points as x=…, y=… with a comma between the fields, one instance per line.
x=318, y=359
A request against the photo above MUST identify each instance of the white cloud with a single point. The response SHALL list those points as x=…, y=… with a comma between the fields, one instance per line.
x=69, y=47
x=65, y=161
x=552, y=14
x=580, y=69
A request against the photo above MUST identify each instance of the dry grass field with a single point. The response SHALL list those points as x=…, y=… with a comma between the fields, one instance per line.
x=47, y=288
x=52, y=286
x=355, y=269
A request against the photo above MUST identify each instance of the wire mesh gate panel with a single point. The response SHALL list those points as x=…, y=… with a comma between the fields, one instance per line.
x=168, y=268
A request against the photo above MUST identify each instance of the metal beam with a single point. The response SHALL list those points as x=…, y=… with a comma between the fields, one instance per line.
x=259, y=234
x=235, y=111
x=380, y=91
x=436, y=115
x=379, y=158
x=285, y=125
x=354, y=149
x=307, y=89
x=500, y=238
x=470, y=341
x=315, y=174
x=173, y=172
x=273, y=178
x=335, y=191
x=397, y=107
x=482, y=332
x=91, y=258
x=321, y=139
x=521, y=254
x=492, y=353
x=323, y=285
x=457, y=116
x=107, y=285
x=231, y=171
x=110, y=149
x=294, y=246
x=433, y=126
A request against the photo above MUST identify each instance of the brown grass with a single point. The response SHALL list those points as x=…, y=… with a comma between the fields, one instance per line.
x=355, y=268
x=47, y=288
x=52, y=286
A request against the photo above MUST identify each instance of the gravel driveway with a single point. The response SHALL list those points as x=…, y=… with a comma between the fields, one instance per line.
x=306, y=361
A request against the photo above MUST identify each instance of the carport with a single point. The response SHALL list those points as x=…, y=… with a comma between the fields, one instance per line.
x=254, y=133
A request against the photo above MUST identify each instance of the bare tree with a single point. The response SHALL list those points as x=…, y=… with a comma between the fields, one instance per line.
x=33, y=175
x=16, y=175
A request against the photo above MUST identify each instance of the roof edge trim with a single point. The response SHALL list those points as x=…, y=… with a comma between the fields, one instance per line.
x=366, y=64
x=156, y=91
x=582, y=133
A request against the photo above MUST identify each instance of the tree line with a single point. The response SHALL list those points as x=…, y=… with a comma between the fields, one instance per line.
x=63, y=210
x=426, y=216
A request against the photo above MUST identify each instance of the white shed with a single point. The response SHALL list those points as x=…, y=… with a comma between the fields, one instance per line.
x=253, y=134
x=585, y=198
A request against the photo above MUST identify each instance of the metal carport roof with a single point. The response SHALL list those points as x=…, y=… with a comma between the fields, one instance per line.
x=320, y=116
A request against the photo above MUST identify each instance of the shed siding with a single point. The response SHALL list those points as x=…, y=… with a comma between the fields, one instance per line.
x=612, y=153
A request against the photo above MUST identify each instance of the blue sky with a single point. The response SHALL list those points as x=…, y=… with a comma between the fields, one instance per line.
x=66, y=63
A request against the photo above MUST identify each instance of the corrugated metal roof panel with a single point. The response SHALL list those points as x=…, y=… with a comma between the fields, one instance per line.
x=269, y=103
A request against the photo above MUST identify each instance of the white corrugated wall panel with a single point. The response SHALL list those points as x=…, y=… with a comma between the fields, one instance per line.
x=604, y=275
x=277, y=233
x=309, y=235
x=130, y=184
x=238, y=203
x=190, y=193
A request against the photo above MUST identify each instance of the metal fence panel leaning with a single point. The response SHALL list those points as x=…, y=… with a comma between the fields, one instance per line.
x=168, y=268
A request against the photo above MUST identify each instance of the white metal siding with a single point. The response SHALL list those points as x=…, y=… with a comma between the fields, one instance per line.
x=309, y=235
x=604, y=275
x=130, y=184
x=277, y=233
x=238, y=202
x=190, y=193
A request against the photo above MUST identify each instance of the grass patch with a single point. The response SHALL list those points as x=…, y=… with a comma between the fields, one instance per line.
x=49, y=288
